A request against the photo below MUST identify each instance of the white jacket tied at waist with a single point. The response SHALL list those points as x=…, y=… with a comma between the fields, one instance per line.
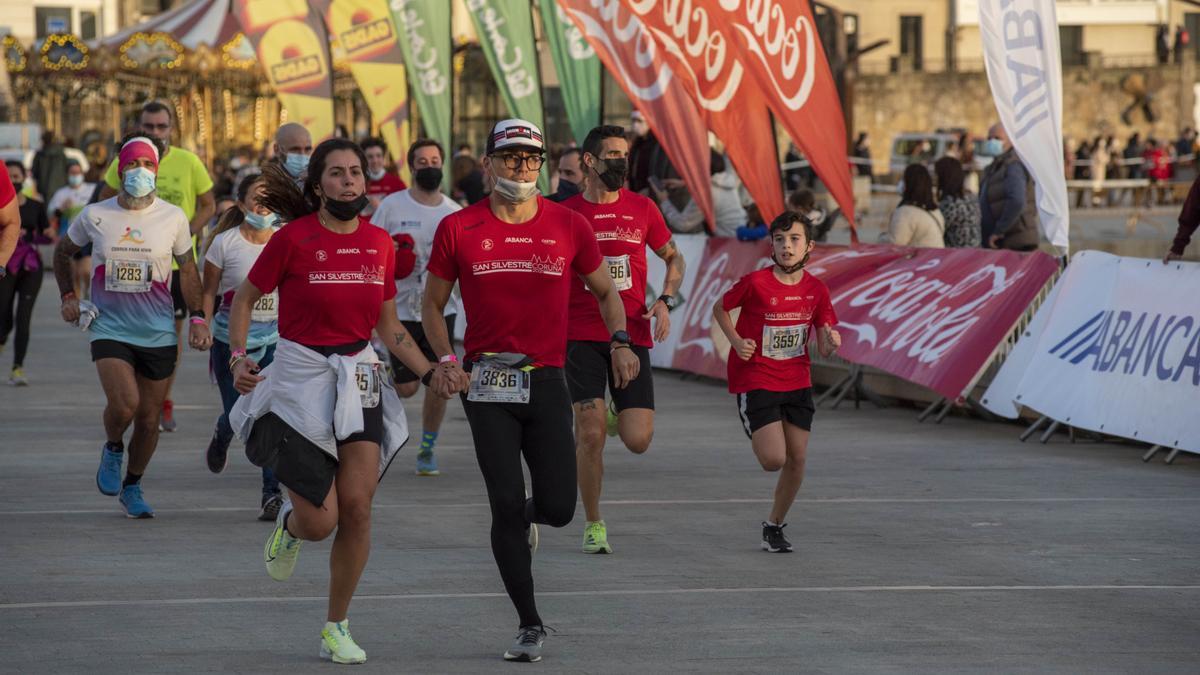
x=318, y=397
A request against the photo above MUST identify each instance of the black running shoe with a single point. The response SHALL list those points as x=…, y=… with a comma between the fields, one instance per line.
x=270, y=506
x=528, y=645
x=217, y=455
x=773, y=540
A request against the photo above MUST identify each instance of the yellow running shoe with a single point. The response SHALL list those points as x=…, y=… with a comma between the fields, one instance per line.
x=282, y=548
x=612, y=426
x=595, y=538
x=338, y=646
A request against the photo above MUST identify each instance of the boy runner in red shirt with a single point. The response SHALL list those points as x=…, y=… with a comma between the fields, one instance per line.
x=781, y=306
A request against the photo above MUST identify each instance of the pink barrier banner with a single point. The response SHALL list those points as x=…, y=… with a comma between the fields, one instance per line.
x=930, y=316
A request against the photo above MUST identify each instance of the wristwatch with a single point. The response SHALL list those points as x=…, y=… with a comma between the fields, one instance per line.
x=621, y=337
x=669, y=301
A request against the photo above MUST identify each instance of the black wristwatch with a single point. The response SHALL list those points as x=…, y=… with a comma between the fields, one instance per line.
x=621, y=337
x=669, y=301
x=427, y=378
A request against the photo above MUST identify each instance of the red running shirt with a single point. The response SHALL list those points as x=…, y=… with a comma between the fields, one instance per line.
x=623, y=230
x=781, y=319
x=331, y=286
x=7, y=191
x=515, y=279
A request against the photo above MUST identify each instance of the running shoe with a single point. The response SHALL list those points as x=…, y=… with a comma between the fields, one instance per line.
x=595, y=538
x=282, y=548
x=166, y=421
x=271, y=504
x=427, y=464
x=612, y=426
x=108, y=476
x=527, y=648
x=134, y=503
x=773, y=539
x=17, y=377
x=338, y=646
x=217, y=455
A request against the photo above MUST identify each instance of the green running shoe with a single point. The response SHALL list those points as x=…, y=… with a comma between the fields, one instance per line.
x=338, y=646
x=282, y=548
x=595, y=538
x=612, y=427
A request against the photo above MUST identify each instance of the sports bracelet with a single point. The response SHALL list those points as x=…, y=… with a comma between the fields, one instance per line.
x=65, y=296
x=622, y=345
x=233, y=361
x=449, y=358
x=198, y=320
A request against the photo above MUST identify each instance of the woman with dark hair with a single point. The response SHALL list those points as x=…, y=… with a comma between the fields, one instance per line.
x=233, y=247
x=321, y=416
x=959, y=206
x=20, y=286
x=917, y=220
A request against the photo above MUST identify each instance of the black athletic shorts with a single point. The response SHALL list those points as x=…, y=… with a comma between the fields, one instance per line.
x=181, y=309
x=85, y=252
x=758, y=408
x=152, y=363
x=400, y=372
x=589, y=371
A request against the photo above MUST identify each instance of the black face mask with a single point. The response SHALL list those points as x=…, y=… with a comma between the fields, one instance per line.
x=566, y=189
x=18, y=186
x=428, y=177
x=793, y=268
x=613, y=175
x=346, y=210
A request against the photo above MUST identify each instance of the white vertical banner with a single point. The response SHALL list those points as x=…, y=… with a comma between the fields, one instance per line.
x=1024, y=67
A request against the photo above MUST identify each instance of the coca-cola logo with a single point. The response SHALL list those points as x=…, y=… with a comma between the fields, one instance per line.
x=577, y=47
x=911, y=311
x=786, y=46
x=691, y=35
x=698, y=329
x=630, y=49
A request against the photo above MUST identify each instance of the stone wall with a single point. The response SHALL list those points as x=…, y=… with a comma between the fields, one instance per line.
x=1093, y=100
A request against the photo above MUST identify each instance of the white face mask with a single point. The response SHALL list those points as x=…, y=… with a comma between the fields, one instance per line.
x=375, y=175
x=514, y=191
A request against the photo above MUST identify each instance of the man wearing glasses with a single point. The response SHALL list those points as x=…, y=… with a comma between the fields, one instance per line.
x=515, y=257
x=183, y=181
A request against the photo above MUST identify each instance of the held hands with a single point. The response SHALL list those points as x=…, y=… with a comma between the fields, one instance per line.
x=245, y=376
x=662, y=320
x=449, y=379
x=745, y=347
x=70, y=310
x=625, y=366
x=1170, y=256
x=199, y=336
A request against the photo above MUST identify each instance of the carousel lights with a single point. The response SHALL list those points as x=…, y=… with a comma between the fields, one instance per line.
x=63, y=43
x=230, y=50
x=260, y=107
x=146, y=41
x=14, y=54
x=230, y=122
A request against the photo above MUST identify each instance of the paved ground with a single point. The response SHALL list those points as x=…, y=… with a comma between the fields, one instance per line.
x=920, y=549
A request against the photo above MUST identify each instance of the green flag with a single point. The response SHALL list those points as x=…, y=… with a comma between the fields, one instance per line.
x=505, y=29
x=577, y=66
x=424, y=35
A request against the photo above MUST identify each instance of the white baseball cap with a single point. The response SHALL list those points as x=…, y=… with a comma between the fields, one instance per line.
x=515, y=133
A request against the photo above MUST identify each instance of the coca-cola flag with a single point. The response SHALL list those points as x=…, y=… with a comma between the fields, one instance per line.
x=629, y=53
x=929, y=316
x=732, y=106
x=776, y=42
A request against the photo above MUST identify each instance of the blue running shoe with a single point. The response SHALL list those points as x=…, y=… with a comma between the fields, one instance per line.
x=108, y=476
x=133, y=503
x=427, y=464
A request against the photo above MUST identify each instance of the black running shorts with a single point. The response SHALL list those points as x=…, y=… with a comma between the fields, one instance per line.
x=400, y=372
x=758, y=408
x=589, y=371
x=152, y=363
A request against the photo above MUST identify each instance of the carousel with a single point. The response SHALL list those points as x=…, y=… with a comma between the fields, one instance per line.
x=193, y=57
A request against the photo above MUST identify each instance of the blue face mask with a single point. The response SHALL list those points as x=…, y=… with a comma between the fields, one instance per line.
x=295, y=163
x=261, y=222
x=139, y=182
x=994, y=147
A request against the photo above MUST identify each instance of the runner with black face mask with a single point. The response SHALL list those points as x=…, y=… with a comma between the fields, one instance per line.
x=625, y=224
x=786, y=307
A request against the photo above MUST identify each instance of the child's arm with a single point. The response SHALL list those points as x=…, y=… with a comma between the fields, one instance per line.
x=744, y=347
x=828, y=340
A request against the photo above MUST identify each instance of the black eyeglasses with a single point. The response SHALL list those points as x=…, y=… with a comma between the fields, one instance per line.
x=513, y=162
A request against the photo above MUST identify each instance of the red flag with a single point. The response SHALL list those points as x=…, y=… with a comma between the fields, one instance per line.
x=629, y=54
x=730, y=103
x=776, y=42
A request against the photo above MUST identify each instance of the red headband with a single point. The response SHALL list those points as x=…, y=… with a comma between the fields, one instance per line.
x=138, y=147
